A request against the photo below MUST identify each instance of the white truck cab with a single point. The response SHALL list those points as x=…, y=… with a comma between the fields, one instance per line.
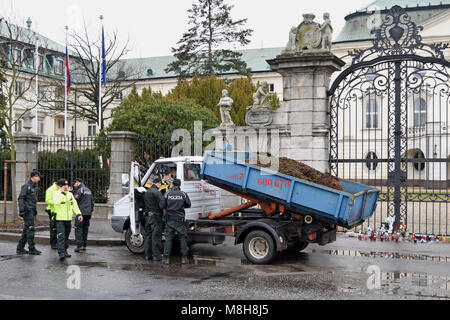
x=128, y=212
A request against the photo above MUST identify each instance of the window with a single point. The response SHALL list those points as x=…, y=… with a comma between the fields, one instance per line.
x=372, y=115
x=41, y=93
x=59, y=92
x=191, y=172
x=18, y=88
x=40, y=125
x=166, y=171
x=18, y=126
x=41, y=62
x=92, y=128
x=17, y=56
x=119, y=96
x=420, y=113
x=60, y=123
x=271, y=88
x=370, y=164
x=150, y=72
x=59, y=67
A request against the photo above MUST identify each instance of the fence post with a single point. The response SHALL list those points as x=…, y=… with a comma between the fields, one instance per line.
x=122, y=154
x=26, y=150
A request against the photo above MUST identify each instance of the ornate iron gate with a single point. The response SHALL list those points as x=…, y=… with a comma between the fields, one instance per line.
x=389, y=125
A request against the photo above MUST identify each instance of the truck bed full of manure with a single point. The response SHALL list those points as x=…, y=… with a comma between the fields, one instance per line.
x=301, y=171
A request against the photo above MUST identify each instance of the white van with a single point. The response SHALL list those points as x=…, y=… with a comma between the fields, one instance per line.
x=128, y=215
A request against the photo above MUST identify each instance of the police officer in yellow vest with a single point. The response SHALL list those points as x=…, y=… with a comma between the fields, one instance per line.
x=65, y=206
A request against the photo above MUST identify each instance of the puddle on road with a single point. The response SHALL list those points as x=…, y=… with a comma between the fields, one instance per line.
x=385, y=255
x=406, y=285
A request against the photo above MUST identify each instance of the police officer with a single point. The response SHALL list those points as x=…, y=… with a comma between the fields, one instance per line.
x=51, y=215
x=27, y=207
x=65, y=206
x=153, y=221
x=174, y=202
x=85, y=202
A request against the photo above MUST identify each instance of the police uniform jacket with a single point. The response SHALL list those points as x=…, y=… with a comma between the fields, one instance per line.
x=85, y=200
x=174, y=202
x=152, y=198
x=28, y=198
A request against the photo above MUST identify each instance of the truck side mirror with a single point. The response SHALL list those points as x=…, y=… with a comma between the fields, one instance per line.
x=125, y=181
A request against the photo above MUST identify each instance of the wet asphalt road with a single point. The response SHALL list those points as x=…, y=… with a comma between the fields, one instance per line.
x=337, y=271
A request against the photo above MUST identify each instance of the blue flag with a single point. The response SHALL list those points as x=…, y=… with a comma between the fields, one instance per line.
x=103, y=57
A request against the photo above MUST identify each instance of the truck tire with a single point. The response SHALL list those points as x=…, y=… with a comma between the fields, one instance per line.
x=297, y=247
x=136, y=244
x=259, y=247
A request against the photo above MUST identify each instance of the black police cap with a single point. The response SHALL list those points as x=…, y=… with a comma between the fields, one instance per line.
x=35, y=173
x=176, y=182
x=63, y=182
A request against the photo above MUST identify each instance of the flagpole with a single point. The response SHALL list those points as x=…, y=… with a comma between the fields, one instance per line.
x=65, y=96
x=100, y=71
x=36, y=67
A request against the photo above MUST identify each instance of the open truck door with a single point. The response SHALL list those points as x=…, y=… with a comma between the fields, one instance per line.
x=134, y=182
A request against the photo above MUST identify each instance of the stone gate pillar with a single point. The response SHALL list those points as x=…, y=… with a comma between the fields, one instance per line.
x=122, y=154
x=305, y=109
x=26, y=150
x=306, y=66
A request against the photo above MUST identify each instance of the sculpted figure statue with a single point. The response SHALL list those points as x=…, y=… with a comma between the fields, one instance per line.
x=225, y=104
x=261, y=97
x=290, y=47
x=327, y=32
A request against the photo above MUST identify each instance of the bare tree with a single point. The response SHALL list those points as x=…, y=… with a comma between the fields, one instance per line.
x=17, y=50
x=17, y=63
x=86, y=66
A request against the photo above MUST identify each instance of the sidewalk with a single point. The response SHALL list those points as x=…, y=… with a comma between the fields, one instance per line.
x=100, y=234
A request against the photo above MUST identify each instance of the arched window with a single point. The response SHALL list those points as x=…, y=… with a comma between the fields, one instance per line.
x=372, y=114
x=420, y=112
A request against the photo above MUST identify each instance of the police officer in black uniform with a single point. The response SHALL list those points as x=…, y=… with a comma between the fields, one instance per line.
x=85, y=202
x=27, y=207
x=174, y=202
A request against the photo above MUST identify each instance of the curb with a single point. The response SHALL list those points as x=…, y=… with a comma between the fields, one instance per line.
x=45, y=240
x=19, y=231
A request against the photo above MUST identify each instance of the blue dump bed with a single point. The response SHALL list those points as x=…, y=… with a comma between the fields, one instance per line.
x=344, y=208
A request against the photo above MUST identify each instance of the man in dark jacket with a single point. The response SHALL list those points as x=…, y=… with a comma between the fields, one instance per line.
x=27, y=207
x=153, y=221
x=174, y=202
x=85, y=202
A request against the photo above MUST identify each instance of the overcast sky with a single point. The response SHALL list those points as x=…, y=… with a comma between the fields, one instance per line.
x=155, y=26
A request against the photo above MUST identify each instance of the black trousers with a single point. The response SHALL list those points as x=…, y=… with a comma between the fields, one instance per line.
x=82, y=230
x=63, y=229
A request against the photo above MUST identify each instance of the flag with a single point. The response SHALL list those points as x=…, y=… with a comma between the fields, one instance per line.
x=69, y=82
x=103, y=57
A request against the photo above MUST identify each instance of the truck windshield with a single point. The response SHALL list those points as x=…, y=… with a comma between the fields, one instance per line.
x=166, y=171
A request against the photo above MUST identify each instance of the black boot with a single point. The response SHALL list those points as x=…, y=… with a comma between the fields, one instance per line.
x=78, y=249
x=35, y=252
x=22, y=251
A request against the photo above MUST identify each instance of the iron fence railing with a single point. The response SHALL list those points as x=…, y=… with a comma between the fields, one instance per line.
x=73, y=157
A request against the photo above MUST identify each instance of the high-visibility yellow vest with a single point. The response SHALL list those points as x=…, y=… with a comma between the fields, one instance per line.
x=65, y=206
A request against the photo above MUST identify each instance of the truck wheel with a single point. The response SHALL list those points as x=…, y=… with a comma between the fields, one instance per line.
x=259, y=247
x=136, y=244
x=297, y=247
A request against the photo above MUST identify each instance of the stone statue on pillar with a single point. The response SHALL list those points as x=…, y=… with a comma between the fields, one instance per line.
x=225, y=104
x=260, y=113
x=327, y=32
x=310, y=36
